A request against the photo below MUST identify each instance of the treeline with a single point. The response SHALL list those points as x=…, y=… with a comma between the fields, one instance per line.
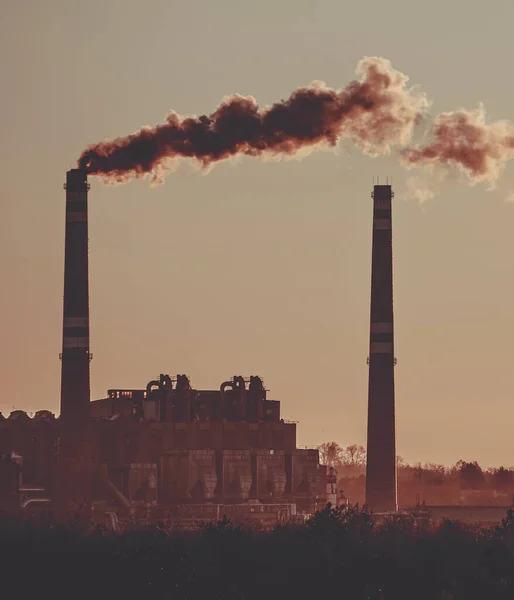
x=339, y=553
x=465, y=482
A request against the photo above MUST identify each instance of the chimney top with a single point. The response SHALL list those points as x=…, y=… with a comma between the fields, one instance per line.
x=76, y=180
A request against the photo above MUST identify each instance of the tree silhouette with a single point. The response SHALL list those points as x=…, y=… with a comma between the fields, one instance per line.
x=470, y=474
x=342, y=552
x=503, y=479
x=354, y=456
x=330, y=453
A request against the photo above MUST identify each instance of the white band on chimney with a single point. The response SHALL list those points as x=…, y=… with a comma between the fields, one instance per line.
x=381, y=328
x=75, y=342
x=76, y=322
x=381, y=223
x=76, y=216
x=76, y=196
x=381, y=348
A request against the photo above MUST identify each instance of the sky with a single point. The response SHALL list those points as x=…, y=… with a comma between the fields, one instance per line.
x=259, y=267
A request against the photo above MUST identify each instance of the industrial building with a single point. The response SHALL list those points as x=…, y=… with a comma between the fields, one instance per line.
x=163, y=449
x=167, y=446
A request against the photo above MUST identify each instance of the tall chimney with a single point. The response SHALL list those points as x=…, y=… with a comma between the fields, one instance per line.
x=75, y=357
x=381, y=486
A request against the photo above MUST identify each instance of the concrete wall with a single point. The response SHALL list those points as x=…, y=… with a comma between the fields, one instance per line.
x=271, y=474
x=197, y=462
x=308, y=476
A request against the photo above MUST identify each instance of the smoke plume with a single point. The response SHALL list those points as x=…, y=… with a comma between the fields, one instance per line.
x=376, y=112
x=418, y=189
x=463, y=138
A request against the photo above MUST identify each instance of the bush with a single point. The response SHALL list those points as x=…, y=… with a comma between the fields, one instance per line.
x=341, y=552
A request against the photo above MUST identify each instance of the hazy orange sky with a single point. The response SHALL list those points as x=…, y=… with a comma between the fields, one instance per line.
x=259, y=267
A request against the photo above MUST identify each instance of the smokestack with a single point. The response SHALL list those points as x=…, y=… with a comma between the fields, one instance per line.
x=381, y=487
x=75, y=357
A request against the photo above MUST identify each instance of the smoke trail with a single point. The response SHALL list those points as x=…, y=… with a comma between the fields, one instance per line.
x=463, y=138
x=376, y=112
x=418, y=189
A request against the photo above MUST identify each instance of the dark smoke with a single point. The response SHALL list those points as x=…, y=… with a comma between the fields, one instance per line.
x=375, y=112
